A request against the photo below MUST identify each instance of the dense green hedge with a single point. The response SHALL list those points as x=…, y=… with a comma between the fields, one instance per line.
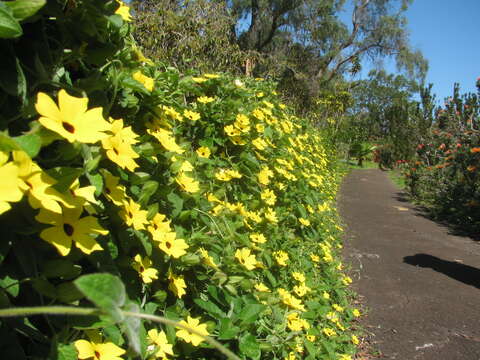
x=199, y=198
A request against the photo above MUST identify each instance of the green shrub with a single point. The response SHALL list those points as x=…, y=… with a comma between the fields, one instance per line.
x=143, y=190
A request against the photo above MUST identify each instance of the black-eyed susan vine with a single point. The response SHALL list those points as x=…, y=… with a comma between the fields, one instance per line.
x=203, y=196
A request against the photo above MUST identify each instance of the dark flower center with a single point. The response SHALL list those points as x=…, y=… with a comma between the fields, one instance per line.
x=68, y=229
x=68, y=127
x=142, y=269
x=97, y=355
x=168, y=244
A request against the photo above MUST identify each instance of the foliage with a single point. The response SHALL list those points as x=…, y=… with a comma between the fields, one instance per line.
x=146, y=191
x=444, y=172
x=195, y=34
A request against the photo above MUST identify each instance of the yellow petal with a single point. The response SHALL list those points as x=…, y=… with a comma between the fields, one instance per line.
x=57, y=238
x=70, y=106
x=85, y=349
x=47, y=107
x=109, y=351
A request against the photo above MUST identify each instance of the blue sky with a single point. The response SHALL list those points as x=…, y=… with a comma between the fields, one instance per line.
x=446, y=31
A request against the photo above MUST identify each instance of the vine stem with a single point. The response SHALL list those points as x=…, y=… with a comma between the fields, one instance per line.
x=81, y=311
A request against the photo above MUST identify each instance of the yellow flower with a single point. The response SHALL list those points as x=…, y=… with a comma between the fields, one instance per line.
x=167, y=140
x=187, y=183
x=337, y=307
x=68, y=227
x=82, y=195
x=13, y=186
x=158, y=226
x=311, y=338
x=170, y=111
x=124, y=11
x=355, y=340
x=207, y=259
x=356, y=312
x=193, y=324
x=211, y=76
x=227, y=174
x=259, y=143
x=300, y=277
x=204, y=152
x=347, y=280
x=301, y=289
x=172, y=246
x=291, y=356
x=281, y=257
x=120, y=152
x=192, y=115
x=186, y=166
x=242, y=123
x=177, y=285
x=144, y=269
x=329, y=332
x=294, y=323
x=304, y=222
x=231, y=131
x=205, y=99
x=98, y=351
x=245, y=258
x=326, y=295
x=271, y=215
x=199, y=80
x=268, y=196
x=71, y=119
x=112, y=190
x=315, y=258
x=264, y=175
x=159, y=340
x=258, y=238
x=261, y=287
x=133, y=215
x=146, y=81
x=345, y=357
x=258, y=113
x=290, y=300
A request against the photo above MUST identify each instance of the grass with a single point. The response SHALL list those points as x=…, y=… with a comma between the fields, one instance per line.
x=397, y=178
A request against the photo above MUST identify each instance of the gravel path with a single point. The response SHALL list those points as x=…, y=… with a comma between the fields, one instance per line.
x=420, y=284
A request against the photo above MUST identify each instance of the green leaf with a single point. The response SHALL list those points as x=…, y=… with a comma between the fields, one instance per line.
x=177, y=203
x=227, y=330
x=45, y=288
x=249, y=347
x=30, y=143
x=106, y=291
x=65, y=176
x=210, y=307
x=10, y=285
x=148, y=190
x=249, y=314
x=97, y=181
x=66, y=352
x=68, y=293
x=7, y=143
x=132, y=326
x=23, y=9
x=9, y=26
x=61, y=268
x=92, y=164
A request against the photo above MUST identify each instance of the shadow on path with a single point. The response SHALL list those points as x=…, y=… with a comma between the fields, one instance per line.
x=467, y=274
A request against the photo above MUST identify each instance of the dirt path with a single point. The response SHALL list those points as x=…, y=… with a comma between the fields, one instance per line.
x=420, y=284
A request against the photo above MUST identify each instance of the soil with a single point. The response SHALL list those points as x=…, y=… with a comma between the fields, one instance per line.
x=419, y=284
